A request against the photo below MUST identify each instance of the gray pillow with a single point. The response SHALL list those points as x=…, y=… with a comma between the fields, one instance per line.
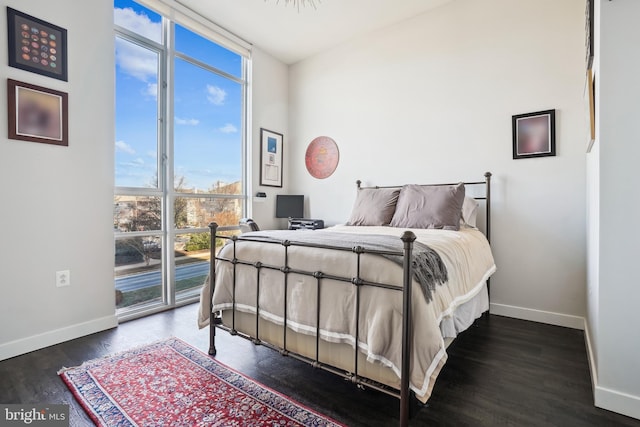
x=374, y=206
x=438, y=206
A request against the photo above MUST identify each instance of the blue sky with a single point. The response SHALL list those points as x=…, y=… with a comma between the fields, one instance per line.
x=207, y=107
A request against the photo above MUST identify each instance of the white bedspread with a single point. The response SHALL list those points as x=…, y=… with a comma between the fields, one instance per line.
x=466, y=254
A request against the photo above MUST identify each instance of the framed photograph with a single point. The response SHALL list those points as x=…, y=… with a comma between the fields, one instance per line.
x=534, y=134
x=37, y=114
x=36, y=45
x=270, y=158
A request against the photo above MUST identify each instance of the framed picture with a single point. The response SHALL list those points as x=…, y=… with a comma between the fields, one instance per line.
x=37, y=114
x=534, y=134
x=270, y=158
x=591, y=89
x=589, y=45
x=36, y=45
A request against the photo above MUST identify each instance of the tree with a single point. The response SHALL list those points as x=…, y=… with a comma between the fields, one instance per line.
x=198, y=242
x=226, y=211
x=136, y=249
x=227, y=217
x=180, y=218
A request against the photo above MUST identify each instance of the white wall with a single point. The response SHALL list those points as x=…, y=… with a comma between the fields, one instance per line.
x=57, y=202
x=269, y=89
x=613, y=282
x=431, y=100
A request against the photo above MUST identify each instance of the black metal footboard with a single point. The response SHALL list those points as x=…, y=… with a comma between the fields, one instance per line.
x=216, y=321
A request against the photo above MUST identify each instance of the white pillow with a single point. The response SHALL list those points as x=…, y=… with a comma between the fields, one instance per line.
x=469, y=212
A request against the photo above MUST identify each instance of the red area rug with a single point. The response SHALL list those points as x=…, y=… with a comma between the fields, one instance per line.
x=170, y=383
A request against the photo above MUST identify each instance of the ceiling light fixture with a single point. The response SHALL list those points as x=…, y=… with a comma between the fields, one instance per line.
x=297, y=3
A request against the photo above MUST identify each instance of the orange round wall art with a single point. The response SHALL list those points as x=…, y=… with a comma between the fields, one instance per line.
x=322, y=157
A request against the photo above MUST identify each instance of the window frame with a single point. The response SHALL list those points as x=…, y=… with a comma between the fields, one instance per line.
x=165, y=149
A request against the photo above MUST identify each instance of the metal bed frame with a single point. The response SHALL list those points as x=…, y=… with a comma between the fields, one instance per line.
x=407, y=238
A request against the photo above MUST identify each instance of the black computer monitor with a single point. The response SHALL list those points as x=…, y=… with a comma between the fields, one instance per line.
x=289, y=206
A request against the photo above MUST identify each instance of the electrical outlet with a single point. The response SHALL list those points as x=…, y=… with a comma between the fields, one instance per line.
x=63, y=278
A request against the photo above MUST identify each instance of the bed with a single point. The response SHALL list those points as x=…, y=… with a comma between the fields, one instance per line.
x=342, y=292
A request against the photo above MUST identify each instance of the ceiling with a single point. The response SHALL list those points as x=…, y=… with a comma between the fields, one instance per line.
x=292, y=34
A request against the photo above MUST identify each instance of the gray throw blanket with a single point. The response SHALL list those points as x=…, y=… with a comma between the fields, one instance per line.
x=427, y=266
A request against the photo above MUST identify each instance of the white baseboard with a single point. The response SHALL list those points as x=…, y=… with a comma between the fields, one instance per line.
x=616, y=401
x=593, y=368
x=540, y=316
x=611, y=400
x=46, y=339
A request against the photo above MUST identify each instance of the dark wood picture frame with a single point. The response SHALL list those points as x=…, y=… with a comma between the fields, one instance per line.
x=36, y=45
x=271, y=150
x=589, y=32
x=534, y=134
x=591, y=89
x=37, y=114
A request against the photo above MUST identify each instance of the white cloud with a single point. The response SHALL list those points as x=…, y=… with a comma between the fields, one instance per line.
x=138, y=23
x=124, y=147
x=151, y=90
x=216, y=95
x=135, y=60
x=228, y=128
x=134, y=164
x=188, y=122
x=152, y=154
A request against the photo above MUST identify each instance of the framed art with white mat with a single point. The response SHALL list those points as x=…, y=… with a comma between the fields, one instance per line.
x=270, y=158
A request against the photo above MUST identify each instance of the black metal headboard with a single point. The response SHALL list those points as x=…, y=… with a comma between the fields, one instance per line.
x=486, y=196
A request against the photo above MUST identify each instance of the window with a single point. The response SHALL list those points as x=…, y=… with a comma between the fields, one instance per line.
x=172, y=176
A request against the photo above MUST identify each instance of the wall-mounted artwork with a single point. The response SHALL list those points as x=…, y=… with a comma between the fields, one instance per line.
x=37, y=114
x=36, y=45
x=270, y=158
x=591, y=90
x=322, y=156
x=534, y=134
x=589, y=32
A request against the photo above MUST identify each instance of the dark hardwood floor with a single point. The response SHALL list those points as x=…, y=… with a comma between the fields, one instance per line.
x=501, y=371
